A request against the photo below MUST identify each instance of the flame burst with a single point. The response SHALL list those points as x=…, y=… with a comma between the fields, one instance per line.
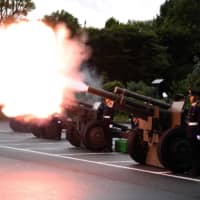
x=38, y=66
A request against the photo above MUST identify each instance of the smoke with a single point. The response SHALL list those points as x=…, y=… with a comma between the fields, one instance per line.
x=91, y=78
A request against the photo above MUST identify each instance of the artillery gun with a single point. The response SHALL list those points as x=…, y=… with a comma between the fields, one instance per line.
x=85, y=129
x=160, y=138
x=71, y=120
x=74, y=120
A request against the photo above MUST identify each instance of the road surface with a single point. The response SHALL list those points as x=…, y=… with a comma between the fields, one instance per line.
x=39, y=169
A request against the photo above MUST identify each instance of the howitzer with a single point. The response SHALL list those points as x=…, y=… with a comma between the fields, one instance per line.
x=160, y=138
x=72, y=120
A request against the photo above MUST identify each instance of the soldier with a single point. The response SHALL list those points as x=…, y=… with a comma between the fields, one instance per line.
x=134, y=121
x=105, y=112
x=193, y=132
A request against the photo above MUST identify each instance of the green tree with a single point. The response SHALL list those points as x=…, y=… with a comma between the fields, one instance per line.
x=126, y=53
x=178, y=27
x=140, y=87
x=191, y=81
x=142, y=25
x=111, y=22
x=180, y=14
x=14, y=9
x=110, y=86
x=63, y=17
x=180, y=47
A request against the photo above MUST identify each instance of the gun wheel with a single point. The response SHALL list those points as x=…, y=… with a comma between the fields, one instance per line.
x=94, y=136
x=19, y=126
x=52, y=130
x=73, y=136
x=137, y=148
x=38, y=131
x=49, y=130
x=174, y=150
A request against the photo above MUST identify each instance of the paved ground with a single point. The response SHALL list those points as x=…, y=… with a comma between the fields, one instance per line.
x=33, y=168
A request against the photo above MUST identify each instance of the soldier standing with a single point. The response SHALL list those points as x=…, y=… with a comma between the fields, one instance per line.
x=134, y=121
x=105, y=112
x=193, y=132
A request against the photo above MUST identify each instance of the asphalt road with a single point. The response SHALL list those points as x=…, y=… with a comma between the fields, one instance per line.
x=38, y=169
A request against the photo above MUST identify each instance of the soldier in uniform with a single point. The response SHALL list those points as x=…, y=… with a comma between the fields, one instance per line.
x=134, y=121
x=193, y=132
x=105, y=112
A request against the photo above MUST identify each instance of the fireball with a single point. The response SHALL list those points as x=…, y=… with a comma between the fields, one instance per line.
x=39, y=66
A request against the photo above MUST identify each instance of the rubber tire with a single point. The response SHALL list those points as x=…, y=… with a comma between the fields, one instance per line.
x=38, y=131
x=137, y=148
x=15, y=125
x=73, y=136
x=174, y=150
x=52, y=130
x=47, y=131
x=101, y=130
x=19, y=126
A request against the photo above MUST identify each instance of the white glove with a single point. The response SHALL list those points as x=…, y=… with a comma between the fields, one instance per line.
x=198, y=137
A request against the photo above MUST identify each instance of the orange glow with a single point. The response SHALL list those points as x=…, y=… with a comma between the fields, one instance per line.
x=27, y=183
x=38, y=65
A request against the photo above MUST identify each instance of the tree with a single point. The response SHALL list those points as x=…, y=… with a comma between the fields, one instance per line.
x=178, y=27
x=125, y=48
x=191, y=81
x=111, y=22
x=63, y=17
x=142, y=25
x=140, y=87
x=110, y=86
x=14, y=9
x=180, y=14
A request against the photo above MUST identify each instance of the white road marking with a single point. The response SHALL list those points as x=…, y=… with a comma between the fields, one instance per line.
x=6, y=131
x=31, y=143
x=101, y=163
x=44, y=148
x=82, y=154
x=119, y=161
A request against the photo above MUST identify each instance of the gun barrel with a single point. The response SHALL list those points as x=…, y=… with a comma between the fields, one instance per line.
x=81, y=103
x=123, y=103
x=103, y=93
x=137, y=96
